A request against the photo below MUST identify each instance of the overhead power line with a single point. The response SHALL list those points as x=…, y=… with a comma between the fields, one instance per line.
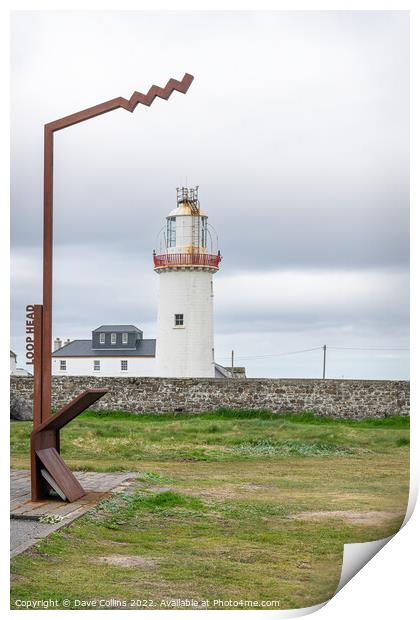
x=280, y=354
x=370, y=348
x=253, y=357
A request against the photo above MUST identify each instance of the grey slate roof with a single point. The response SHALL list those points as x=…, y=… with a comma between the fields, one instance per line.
x=220, y=372
x=117, y=328
x=83, y=348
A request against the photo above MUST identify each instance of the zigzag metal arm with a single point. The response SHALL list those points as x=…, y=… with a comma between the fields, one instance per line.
x=49, y=130
x=47, y=441
x=120, y=102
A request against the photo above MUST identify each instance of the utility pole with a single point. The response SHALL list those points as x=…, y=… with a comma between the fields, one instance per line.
x=325, y=359
x=233, y=364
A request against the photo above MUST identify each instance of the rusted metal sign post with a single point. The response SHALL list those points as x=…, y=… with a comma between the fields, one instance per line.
x=47, y=466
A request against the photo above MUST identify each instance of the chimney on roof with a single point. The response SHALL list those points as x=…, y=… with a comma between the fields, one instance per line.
x=67, y=341
x=57, y=344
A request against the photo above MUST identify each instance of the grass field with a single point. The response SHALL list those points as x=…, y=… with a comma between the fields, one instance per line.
x=228, y=506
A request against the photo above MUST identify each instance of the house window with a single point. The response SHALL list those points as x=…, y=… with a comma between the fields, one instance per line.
x=125, y=338
x=113, y=338
x=179, y=320
x=63, y=364
x=101, y=338
x=97, y=365
x=171, y=232
x=124, y=364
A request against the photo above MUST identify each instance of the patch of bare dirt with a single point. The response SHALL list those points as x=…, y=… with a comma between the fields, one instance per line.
x=370, y=518
x=210, y=493
x=127, y=561
x=257, y=486
x=14, y=579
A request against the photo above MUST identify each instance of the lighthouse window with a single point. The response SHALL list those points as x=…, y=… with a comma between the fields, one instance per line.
x=97, y=365
x=124, y=364
x=63, y=365
x=113, y=338
x=102, y=338
x=204, y=232
x=179, y=320
x=171, y=232
x=125, y=338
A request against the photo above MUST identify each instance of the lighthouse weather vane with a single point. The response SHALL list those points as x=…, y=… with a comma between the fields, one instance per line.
x=47, y=467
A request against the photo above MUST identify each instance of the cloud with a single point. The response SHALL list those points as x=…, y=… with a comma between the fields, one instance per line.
x=296, y=128
x=285, y=300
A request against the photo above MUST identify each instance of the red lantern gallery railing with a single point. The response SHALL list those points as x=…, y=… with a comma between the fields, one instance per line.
x=185, y=260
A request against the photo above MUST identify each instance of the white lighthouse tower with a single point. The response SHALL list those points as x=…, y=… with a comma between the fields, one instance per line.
x=186, y=263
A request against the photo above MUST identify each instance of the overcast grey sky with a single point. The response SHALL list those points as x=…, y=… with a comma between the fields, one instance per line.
x=296, y=129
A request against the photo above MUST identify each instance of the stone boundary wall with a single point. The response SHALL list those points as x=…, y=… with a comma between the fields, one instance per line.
x=330, y=397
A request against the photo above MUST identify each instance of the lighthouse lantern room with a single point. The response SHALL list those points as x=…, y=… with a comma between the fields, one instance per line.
x=187, y=259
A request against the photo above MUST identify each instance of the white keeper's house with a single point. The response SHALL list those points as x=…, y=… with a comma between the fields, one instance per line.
x=113, y=350
x=185, y=262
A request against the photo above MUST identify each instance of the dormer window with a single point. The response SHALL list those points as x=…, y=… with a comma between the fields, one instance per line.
x=113, y=338
x=125, y=338
x=101, y=338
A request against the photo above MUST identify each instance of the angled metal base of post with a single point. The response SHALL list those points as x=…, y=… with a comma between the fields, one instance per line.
x=48, y=470
x=47, y=466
